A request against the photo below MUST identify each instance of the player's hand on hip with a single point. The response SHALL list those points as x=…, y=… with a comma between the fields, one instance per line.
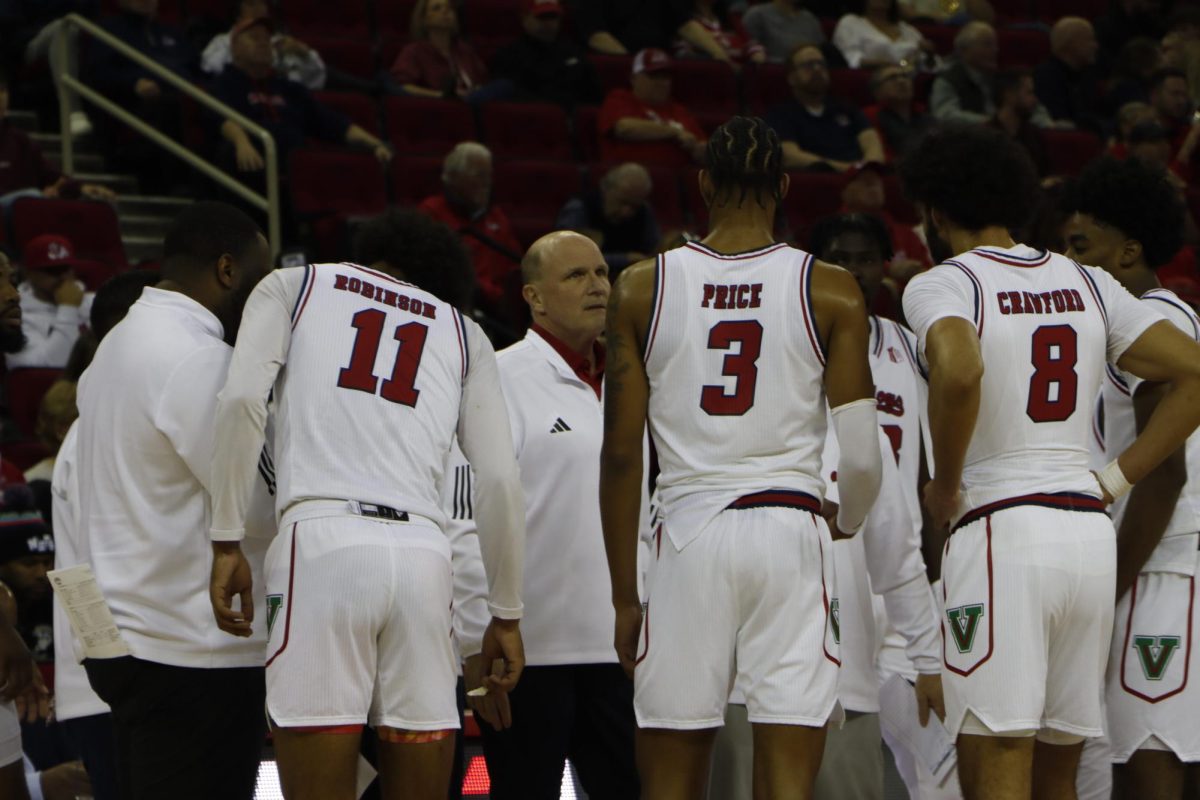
x=490, y=706
x=231, y=576
x=929, y=697
x=502, y=641
x=1104, y=495
x=628, y=629
x=942, y=502
x=829, y=511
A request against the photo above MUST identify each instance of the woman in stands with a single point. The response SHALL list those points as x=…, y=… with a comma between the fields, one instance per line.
x=873, y=35
x=439, y=62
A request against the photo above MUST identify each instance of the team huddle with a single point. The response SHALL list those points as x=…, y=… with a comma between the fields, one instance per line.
x=772, y=461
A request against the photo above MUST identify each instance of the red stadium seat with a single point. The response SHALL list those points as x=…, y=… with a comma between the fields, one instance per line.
x=392, y=18
x=813, y=195
x=1068, y=152
x=331, y=186
x=91, y=226
x=706, y=87
x=25, y=389
x=360, y=108
x=942, y=36
x=24, y=455
x=352, y=56
x=851, y=86
x=526, y=130
x=766, y=87
x=425, y=125
x=534, y=189
x=414, y=178
x=1022, y=47
x=665, y=198
x=614, y=71
x=348, y=18
x=587, y=138
x=529, y=229
x=93, y=273
x=497, y=19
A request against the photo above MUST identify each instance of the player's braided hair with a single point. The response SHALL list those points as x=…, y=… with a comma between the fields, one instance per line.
x=743, y=156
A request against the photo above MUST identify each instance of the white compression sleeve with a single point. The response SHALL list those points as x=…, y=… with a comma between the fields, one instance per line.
x=860, y=469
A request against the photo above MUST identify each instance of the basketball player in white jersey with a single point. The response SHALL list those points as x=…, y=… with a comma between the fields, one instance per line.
x=729, y=348
x=1128, y=220
x=1016, y=342
x=371, y=377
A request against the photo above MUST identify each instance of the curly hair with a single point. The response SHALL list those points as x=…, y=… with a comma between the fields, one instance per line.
x=976, y=176
x=1135, y=199
x=744, y=155
x=426, y=252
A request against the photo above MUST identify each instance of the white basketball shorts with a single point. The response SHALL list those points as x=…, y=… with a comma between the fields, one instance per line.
x=747, y=600
x=1028, y=587
x=10, y=734
x=359, y=616
x=1152, y=693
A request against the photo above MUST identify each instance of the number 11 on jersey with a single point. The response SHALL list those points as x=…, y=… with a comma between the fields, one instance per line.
x=360, y=374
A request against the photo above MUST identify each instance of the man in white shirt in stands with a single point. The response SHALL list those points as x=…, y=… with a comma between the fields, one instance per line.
x=53, y=303
x=574, y=700
x=187, y=700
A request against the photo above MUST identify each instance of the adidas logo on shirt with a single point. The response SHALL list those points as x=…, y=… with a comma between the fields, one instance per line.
x=560, y=426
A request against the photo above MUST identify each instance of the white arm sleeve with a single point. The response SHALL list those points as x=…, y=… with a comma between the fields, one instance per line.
x=485, y=438
x=262, y=346
x=471, y=615
x=859, y=463
x=913, y=612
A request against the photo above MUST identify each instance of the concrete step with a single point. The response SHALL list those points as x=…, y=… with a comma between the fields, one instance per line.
x=140, y=247
x=151, y=205
x=84, y=162
x=119, y=183
x=25, y=120
x=144, y=225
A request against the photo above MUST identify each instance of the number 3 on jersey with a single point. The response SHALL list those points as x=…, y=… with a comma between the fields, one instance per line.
x=1054, y=354
x=360, y=375
x=742, y=366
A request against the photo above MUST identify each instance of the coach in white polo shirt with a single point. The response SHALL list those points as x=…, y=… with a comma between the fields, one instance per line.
x=187, y=704
x=574, y=701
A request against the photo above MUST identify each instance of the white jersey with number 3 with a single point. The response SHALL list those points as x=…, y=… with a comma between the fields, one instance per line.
x=736, y=370
x=1046, y=327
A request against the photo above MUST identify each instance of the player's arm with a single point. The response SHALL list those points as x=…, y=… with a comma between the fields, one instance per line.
x=1163, y=354
x=841, y=315
x=1152, y=501
x=955, y=376
x=486, y=441
x=626, y=401
x=262, y=346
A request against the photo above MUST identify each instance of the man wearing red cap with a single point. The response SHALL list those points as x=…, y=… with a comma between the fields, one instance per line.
x=53, y=303
x=544, y=65
x=645, y=125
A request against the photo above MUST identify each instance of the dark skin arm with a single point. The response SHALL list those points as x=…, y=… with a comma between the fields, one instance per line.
x=626, y=400
x=1151, y=502
x=955, y=375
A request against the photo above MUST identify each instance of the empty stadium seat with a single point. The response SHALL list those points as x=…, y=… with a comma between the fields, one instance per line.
x=851, y=86
x=587, y=139
x=427, y=126
x=24, y=389
x=352, y=56
x=614, y=71
x=91, y=226
x=24, y=455
x=347, y=18
x=1022, y=47
x=360, y=108
x=526, y=130
x=706, y=87
x=493, y=19
x=329, y=187
x=534, y=189
x=1068, y=152
x=392, y=17
x=414, y=178
x=766, y=87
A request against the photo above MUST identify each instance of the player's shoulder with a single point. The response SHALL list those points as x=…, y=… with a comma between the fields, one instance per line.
x=1169, y=304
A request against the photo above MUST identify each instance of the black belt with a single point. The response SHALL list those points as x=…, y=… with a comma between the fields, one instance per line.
x=382, y=512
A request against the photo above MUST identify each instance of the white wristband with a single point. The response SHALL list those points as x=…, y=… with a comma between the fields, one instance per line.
x=1113, y=481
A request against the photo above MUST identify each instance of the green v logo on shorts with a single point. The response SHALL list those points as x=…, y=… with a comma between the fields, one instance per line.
x=1155, y=654
x=964, y=624
x=274, y=603
x=835, y=620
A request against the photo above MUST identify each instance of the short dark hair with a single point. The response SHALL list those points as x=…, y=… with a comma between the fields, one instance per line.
x=827, y=230
x=976, y=176
x=743, y=156
x=425, y=251
x=202, y=233
x=1163, y=75
x=1008, y=80
x=115, y=296
x=1137, y=200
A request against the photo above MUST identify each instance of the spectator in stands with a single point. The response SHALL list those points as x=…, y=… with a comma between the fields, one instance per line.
x=873, y=35
x=293, y=58
x=53, y=303
x=965, y=91
x=782, y=26
x=26, y=554
x=713, y=16
x=939, y=12
x=896, y=116
x=617, y=216
x=466, y=206
x=137, y=26
x=24, y=171
x=1136, y=64
x=55, y=416
x=1129, y=116
x=1066, y=83
x=864, y=193
x=859, y=243
x=1170, y=99
x=1016, y=104
x=817, y=131
x=1150, y=144
x=619, y=27
x=644, y=124
x=438, y=62
x=544, y=65
x=285, y=108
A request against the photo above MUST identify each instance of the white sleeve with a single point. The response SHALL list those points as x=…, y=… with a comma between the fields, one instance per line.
x=891, y=538
x=186, y=411
x=54, y=349
x=1128, y=317
x=216, y=55
x=471, y=615
x=941, y=292
x=848, y=38
x=1173, y=311
x=860, y=461
x=308, y=69
x=912, y=610
x=485, y=438
x=241, y=415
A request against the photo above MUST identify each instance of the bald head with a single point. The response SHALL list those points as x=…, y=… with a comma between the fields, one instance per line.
x=556, y=247
x=1073, y=41
x=566, y=287
x=977, y=47
x=624, y=190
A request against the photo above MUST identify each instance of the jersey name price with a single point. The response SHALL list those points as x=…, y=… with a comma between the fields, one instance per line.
x=730, y=296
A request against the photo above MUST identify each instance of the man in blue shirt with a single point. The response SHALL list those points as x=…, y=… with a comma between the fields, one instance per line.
x=818, y=132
